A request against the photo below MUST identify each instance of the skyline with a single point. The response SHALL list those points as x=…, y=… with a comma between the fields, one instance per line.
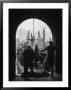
x=39, y=41
x=39, y=25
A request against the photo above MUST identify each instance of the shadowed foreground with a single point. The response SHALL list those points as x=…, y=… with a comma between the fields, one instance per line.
x=38, y=77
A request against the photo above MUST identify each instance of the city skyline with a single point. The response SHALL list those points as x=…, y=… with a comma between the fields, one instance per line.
x=40, y=41
x=27, y=25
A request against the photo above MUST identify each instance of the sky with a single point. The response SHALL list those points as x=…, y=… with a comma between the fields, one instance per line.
x=27, y=25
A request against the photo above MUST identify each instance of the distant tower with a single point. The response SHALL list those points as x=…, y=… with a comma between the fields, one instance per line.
x=32, y=40
x=27, y=38
x=28, y=35
x=17, y=43
x=43, y=39
x=39, y=41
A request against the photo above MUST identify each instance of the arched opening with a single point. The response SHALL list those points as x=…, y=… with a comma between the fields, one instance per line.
x=31, y=32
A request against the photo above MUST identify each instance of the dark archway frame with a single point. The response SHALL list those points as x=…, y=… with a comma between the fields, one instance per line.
x=53, y=38
x=53, y=18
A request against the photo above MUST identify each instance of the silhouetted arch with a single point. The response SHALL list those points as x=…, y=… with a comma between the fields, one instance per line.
x=52, y=17
x=37, y=22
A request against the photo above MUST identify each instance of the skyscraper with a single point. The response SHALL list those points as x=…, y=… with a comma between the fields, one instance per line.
x=28, y=35
x=17, y=43
x=39, y=41
x=43, y=39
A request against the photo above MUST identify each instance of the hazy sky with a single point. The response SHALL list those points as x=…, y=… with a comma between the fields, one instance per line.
x=38, y=26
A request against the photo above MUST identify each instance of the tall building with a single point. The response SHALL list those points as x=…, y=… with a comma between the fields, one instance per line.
x=28, y=38
x=39, y=41
x=28, y=35
x=17, y=43
x=43, y=39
